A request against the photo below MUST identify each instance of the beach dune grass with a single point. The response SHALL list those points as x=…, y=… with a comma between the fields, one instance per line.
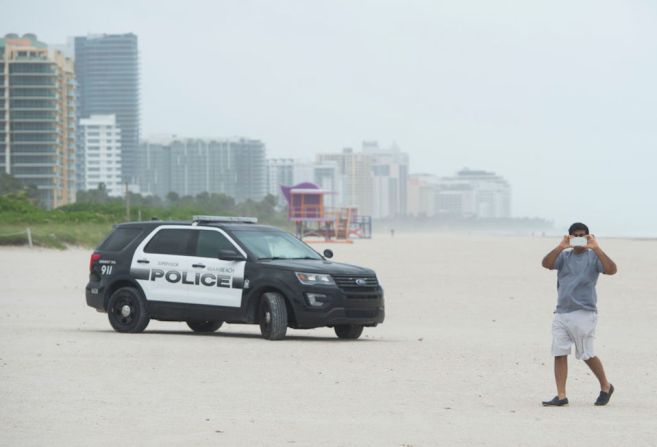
x=55, y=235
x=87, y=223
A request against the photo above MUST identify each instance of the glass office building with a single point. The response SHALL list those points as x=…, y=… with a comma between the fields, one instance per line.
x=188, y=167
x=107, y=70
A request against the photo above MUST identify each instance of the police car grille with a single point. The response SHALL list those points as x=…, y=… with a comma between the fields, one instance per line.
x=362, y=296
x=353, y=290
x=361, y=313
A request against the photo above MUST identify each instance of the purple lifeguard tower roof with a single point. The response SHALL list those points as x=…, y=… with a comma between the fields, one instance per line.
x=308, y=186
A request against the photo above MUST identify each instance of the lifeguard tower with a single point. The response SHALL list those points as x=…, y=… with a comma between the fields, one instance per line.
x=313, y=220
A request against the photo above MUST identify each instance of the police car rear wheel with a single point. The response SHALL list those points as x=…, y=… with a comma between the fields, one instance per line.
x=273, y=316
x=204, y=326
x=349, y=331
x=126, y=310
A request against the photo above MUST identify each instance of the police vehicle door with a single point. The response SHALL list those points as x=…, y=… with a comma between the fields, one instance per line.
x=162, y=264
x=220, y=283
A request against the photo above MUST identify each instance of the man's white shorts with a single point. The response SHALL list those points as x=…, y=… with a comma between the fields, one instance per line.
x=576, y=327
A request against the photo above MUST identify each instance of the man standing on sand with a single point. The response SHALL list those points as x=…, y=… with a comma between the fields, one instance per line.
x=576, y=316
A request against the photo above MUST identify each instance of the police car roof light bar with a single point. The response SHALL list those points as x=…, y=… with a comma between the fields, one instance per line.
x=211, y=219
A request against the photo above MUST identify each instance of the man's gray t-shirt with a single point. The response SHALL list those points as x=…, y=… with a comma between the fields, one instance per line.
x=578, y=274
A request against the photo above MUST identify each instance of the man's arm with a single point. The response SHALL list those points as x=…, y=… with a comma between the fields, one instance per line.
x=608, y=266
x=551, y=258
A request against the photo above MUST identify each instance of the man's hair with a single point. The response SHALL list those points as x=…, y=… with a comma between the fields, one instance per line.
x=578, y=226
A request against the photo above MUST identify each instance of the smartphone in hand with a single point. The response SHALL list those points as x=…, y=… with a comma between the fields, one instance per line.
x=578, y=242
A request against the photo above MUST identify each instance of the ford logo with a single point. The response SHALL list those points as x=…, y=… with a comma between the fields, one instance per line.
x=361, y=282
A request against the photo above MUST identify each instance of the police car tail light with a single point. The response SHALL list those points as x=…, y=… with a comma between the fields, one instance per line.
x=95, y=257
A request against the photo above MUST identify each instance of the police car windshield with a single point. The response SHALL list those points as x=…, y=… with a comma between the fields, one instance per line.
x=275, y=245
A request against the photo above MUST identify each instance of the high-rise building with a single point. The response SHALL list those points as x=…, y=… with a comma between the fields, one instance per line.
x=473, y=193
x=37, y=118
x=280, y=171
x=422, y=195
x=327, y=177
x=374, y=180
x=100, y=159
x=289, y=172
x=390, y=171
x=107, y=70
x=247, y=164
x=192, y=166
x=303, y=171
x=357, y=178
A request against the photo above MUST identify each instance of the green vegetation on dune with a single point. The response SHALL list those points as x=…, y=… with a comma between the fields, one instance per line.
x=54, y=235
x=89, y=220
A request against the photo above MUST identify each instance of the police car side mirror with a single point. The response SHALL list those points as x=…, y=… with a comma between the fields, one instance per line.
x=328, y=253
x=226, y=254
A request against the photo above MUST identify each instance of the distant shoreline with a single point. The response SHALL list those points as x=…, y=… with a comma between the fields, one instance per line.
x=378, y=235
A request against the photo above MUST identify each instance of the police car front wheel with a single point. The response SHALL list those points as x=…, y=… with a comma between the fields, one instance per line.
x=273, y=316
x=126, y=310
x=204, y=326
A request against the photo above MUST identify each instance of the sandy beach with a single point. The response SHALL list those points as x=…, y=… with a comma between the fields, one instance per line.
x=463, y=358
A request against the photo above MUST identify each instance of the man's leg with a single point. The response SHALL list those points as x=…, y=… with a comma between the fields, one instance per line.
x=596, y=366
x=561, y=374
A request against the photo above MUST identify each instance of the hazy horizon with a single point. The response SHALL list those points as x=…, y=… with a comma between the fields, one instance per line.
x=557, y=97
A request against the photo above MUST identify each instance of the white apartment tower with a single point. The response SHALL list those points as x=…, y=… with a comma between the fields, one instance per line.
x=280, y=171
x=101, y=154
x=357, y=178
x=390, y=177
x=474, y=193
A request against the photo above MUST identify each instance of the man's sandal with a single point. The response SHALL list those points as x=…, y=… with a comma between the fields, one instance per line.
x=556, y=402
x=603, y=398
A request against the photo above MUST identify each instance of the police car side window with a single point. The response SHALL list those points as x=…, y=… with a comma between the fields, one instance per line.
x=210, y=242
x=171, y=241
x=119, y=239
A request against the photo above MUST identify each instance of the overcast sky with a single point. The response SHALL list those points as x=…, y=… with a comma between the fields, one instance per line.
x=559, y=97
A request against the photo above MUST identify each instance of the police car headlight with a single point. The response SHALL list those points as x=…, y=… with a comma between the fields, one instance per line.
x=314, y=279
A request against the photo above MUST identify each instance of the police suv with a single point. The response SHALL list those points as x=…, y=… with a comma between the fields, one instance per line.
x=227, y=269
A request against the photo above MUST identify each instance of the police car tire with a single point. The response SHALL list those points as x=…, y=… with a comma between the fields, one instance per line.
x=348, y=331
x=276, y=327
x=138, y=318
x=204, y=326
